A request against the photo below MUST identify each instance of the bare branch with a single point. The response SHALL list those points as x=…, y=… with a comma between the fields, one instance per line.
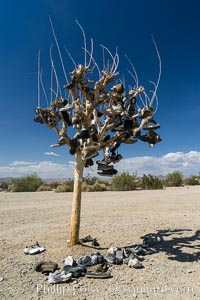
x=160, y=71
x=39, y=78
x=113, y=60
x=51, y=80
x=135, y=77
x=84, y=40
x=54, y=69
x=58, y=50
x=132, y=75
x=42, y=85
x=94, y=62
x=70, y=56
x=103, y=53
x=91, y=53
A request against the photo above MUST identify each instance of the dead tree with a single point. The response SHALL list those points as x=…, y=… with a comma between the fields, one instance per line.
x=103, y=112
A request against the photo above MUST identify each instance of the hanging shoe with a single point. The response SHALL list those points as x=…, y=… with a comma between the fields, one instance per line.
x=66, y=117
x=83, y=134
x=90, y=153
x=146, y=112
x=130, y=141
x=108, y=173
x=150, y=137
x=151, y=125
x=115, y=110
x=75, y=120
x=117, y=158
x=126, y=125
x=60, y=142
x=73, y=145
x=89, y=162
x=104, y=167
x=106, y=138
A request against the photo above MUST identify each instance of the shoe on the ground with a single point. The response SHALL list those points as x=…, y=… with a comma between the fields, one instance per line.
x=46, y=267
x=34, y=249
x=87, y=260
x=86, y=239
x=112, y=250
x=75, y=271
x=119, y=255
x=103, y=267
x=58, y=277
x=134, y=263
x=102, y=275
x=69, y=261
x=95, y=243
x=141, y=251
x=112, y=259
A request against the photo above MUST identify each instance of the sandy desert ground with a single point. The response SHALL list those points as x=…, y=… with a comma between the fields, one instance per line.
x=115, y=219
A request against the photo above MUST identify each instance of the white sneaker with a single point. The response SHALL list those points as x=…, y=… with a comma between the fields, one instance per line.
x=58, y=276
x=34, y=249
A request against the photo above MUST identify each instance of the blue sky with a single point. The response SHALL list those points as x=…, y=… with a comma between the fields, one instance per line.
x=25, y=28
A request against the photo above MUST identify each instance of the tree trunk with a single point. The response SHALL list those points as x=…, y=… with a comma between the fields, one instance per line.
x=76, y=204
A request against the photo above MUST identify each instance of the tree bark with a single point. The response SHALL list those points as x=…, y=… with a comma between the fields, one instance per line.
x=76, y=203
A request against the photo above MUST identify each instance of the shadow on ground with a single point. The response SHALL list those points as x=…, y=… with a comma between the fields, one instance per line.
x=175, y=244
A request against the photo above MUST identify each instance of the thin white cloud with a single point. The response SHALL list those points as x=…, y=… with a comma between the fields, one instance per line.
x=22, y=163
x=187, y=163
x=51, y=154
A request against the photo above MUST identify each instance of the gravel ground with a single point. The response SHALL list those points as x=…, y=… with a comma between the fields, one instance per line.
x=115, y=219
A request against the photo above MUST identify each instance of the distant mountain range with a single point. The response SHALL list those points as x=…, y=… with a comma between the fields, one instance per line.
x=46, y=180
x=5, y=179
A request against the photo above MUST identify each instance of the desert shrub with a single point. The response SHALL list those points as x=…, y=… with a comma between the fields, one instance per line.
x=53, y=185
x=44, y=188
x=65, y=187
x=150, y=182
x=96, y=187
x=123, y=182
x=90, y=180
x=29, y=183
x=192, y=180
x=174, y=179
x=4, y=186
